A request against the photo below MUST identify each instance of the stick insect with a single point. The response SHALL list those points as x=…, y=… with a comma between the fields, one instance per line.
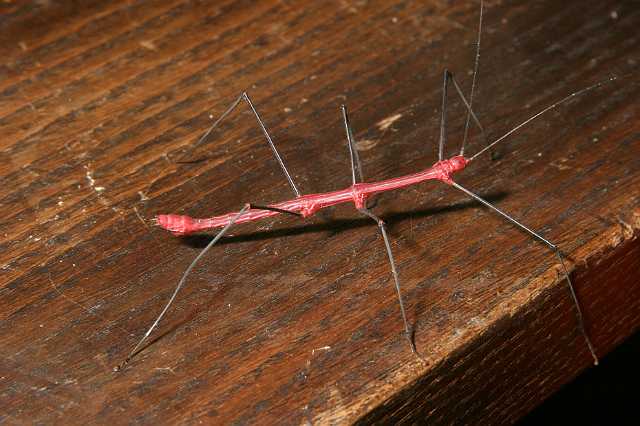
x=360, y=191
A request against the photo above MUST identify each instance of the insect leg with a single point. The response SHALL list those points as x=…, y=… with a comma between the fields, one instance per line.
x=473, y=79
x=244, y=96
x=135, y=349
x=274, y=209
x=394, y=271
x=449, y=76
x=356, y=166
x=271, y=144
x=211, y=128
x=555, y=250
x=443, y=116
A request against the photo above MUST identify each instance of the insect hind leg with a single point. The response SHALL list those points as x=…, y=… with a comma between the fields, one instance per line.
x=243, y=97
x=181, y=283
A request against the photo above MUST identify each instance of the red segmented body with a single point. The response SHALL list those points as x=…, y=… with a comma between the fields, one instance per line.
x=308, y=205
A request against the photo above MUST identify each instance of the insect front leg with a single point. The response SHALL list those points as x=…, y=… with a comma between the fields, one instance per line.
x=554, y=248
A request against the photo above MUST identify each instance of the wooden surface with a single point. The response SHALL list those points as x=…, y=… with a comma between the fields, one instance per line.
x=290, y=321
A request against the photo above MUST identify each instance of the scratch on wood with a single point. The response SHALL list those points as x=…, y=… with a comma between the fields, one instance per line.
x=387, y=122
x=148, y=44
x=365, y=144
x=92, y=181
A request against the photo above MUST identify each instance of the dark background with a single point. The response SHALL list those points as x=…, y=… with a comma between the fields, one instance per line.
x=607, y=394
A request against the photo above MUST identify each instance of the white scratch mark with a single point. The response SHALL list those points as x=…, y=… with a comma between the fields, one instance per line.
x=148, y=44
x=90, y=178
x=387, y=122
x=92, y=181
x=365, y=144
x=324, y=348
x=166, y=369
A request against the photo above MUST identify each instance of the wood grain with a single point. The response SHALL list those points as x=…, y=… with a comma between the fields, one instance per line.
x=295, y=322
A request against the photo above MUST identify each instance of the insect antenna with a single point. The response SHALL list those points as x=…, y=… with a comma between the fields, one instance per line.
x=545, y=110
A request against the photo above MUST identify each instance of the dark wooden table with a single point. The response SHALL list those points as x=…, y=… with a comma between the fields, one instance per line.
x=294, y=321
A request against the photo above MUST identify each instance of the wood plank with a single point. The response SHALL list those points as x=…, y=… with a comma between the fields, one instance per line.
x=289, y=321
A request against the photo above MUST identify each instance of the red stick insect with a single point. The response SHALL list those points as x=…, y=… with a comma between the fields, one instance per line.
x=359, y=192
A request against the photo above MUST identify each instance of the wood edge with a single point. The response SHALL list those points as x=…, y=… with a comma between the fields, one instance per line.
x=614, y=243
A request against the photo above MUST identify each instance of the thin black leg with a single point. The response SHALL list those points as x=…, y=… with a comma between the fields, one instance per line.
x=558, y=254
x=448, y=77
x=473, y=79
x=186, y=273
x=244, y=96
x=356, y=166
x=394, y=272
